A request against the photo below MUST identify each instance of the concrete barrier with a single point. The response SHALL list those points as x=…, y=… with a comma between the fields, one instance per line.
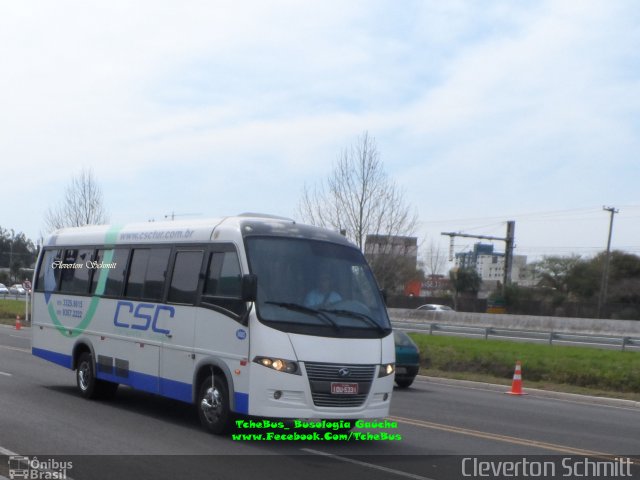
x=587, y=326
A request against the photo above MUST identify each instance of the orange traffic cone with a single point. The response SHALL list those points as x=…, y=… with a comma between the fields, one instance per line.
x=18, y=323
x=516, y=385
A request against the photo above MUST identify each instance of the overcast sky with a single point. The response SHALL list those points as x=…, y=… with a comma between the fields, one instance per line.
x=482, y=111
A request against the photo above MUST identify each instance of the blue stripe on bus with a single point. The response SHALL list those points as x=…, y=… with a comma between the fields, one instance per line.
x=141, y=381
x=176, y=390
x=55, y=357
x=242, y=402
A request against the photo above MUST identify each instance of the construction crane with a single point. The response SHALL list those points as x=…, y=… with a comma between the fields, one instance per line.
x=509, y=246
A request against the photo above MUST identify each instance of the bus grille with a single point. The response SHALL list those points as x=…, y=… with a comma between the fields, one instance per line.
x=321, y=375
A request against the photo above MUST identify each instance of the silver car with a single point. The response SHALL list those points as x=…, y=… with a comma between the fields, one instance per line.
x=436, y=307
x=17, y=289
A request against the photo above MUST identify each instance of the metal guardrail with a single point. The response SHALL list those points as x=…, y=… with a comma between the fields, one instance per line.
x=12, y=296
x=602, y=341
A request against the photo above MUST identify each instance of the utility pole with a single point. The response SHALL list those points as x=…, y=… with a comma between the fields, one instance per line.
x=508, y=254
x=604, y=284
x=13, y=239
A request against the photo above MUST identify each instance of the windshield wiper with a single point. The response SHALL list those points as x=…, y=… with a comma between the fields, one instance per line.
x=296, y=307
x=352, y=314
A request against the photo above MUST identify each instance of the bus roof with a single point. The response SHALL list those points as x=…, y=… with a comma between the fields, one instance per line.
x=191, y=231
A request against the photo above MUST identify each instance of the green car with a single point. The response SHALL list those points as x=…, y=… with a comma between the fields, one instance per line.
x=407, y=359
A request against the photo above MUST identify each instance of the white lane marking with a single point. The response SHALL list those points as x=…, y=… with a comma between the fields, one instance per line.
x=6, y=374
x=573, y=398
x=16, y=349
x=399, y=473
x=4, y=451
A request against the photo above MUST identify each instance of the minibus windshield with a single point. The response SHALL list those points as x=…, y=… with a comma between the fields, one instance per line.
x=315, y=287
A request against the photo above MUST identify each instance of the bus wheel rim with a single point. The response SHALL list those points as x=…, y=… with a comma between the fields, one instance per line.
x=211, y=405
x=84, y=374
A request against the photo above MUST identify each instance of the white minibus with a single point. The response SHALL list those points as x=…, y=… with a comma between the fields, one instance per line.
x=249, y=315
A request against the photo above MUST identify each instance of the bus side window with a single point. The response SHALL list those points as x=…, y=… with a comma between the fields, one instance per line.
x=223, y=282
x=135, y=282
x=147, y=274
x=186, y=274
x=49, y=275
x=117, y=262
x=76, y=279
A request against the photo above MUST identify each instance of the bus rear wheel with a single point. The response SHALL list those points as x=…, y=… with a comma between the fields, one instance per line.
x=88, y=385
x=85, y=376
x=213, y=405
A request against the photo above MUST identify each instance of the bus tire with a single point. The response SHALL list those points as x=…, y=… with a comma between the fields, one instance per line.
x=107, y=390
x=89, y=386
x=86, y=380
x=213, y=405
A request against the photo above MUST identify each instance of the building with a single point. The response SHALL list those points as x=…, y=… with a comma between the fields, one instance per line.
x=490, y=266
x=392, y=245
x=433, y=286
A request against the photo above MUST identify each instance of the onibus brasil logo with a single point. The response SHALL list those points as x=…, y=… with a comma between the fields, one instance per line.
x=33, y=468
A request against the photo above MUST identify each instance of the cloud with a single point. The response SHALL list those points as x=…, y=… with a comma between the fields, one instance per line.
x=526, y=106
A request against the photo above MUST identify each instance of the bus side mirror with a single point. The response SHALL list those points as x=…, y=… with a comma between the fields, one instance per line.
x=249, y=287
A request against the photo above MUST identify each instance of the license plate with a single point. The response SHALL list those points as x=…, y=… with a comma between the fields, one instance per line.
x=401, y=369
x=344, y=388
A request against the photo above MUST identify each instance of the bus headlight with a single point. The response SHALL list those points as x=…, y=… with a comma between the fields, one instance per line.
x=279, y=364
x=387, y=369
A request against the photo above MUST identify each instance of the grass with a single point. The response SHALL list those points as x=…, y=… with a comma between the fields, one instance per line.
x=9, y=309
x=575, y=369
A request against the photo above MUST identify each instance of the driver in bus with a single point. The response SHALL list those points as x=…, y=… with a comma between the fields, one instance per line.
x=323, y=294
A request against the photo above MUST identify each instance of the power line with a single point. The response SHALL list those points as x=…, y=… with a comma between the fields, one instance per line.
x=530, y=216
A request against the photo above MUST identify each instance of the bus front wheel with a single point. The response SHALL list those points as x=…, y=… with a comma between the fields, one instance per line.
x=213, y=405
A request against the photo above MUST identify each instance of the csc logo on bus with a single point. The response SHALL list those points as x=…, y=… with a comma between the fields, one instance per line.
x=142, y=316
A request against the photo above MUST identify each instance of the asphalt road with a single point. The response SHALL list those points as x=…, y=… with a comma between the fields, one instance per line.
x=138, y=435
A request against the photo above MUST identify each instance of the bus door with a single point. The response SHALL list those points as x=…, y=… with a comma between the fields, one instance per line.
x=221, y=328
x=176, y=321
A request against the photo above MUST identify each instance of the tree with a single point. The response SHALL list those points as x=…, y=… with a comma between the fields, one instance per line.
x=434, y=260
x=624, y=276
x=82, y=204
x=17, y=253
x=393, y=272
x=464, y=280
x=583, y=280
x=566, y=280
x=359, y=199
x=554, y=272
